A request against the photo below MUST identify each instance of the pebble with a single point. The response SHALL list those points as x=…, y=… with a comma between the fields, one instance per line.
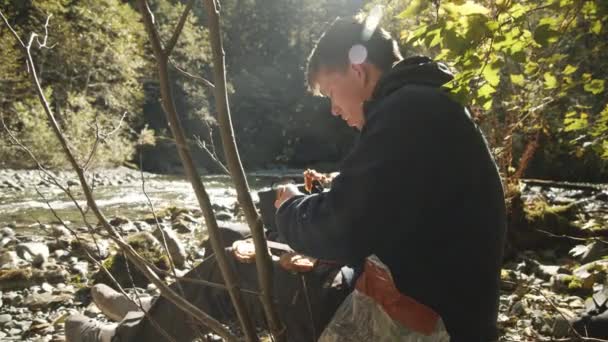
x=47, y=287
x=5, y=318
x=14, y=331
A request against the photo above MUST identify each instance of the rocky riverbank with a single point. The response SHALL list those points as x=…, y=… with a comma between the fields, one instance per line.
x=46, y=276
x=46, y=271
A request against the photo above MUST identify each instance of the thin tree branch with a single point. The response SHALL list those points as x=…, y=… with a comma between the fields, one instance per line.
x=178, y=29
x=201, y=144
x=192, y=76
x=215, y=237
x=262, y=260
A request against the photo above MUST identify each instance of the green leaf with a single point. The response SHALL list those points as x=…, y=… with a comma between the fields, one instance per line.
x=486, y=90
x=419, y=32
x=454, y=42
x=516, y=11
x=573, y=123
x=597, y=27
x=492, y=25
x=467, y=8
x=414, y=8
x=517, y=79
x=434, y=37
x=470, y=7
x=569, y=69
x=492, y=75
x=595, y=86
x=531, y=68
x=488, y=104
x=550, y=81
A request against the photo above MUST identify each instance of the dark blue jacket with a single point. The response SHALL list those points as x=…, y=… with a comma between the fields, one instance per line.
x=421, y=191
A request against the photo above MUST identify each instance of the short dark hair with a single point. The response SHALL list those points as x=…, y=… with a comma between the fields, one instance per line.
x=331, y=52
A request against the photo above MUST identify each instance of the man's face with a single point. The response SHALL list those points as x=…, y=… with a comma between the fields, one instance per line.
x=347, y=91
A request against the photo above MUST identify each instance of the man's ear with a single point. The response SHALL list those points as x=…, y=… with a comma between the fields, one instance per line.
x=360, y=71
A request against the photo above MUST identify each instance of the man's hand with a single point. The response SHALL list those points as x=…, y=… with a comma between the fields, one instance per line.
x=285, y=192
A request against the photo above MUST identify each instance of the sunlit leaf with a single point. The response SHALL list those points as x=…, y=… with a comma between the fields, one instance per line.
x=517, y=79
x=597, y=27
x=414, y=8
x=488, y=104
x=573, y=123
x=518, y=10
x=550, y=80
x=595, y=86
x=492, y=75
x=530, y=68
x=569, y=69
x=467, y=8
x=486, y=90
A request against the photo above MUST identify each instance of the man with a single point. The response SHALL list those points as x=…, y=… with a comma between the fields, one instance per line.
x=419, y=191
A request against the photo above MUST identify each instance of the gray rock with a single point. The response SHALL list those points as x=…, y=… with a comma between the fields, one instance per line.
x=36, y=252
x=23, y=325
x=21, y=278
x=92, y=310
x=46, y=287
x=13, y=298
x=60, y=231
x=595, y=251
x=518, y=309
x=39, y=321
x=188, y=218
x=81, y=268
x=72, y=182
x=13, y=185
x=119, y=220
x=5, y=319
x=142, y=225
x=14, y=331
x=545, y=272
x=224, y=216
x=182, y=227
x=44, y=300
x=60, y=254
x=7, y=232
x=174, y=245
x=9, y=259
x=99, y=250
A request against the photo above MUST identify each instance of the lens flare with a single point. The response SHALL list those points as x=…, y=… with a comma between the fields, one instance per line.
x=357, y=54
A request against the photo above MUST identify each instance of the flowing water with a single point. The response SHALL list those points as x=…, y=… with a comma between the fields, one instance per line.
x=27, y=202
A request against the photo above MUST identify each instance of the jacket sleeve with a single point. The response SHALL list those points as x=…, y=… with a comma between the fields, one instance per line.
x=378, y=183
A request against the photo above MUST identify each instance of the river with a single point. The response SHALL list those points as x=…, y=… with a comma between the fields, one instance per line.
x=25, y=197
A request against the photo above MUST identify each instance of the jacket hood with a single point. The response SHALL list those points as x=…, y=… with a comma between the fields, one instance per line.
x=413, y=70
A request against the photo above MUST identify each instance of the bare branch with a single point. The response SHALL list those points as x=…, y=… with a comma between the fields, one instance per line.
x=168, y=105
x=112, y=132
x=192, y=76
x=46, y=34
x=178, y=29
x=203, y=146
x=263, y=262
x=12, y=30
x=158, y=227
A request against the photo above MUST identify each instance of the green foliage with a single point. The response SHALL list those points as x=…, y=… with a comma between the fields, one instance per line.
x=91, y=73
x=525, y=63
